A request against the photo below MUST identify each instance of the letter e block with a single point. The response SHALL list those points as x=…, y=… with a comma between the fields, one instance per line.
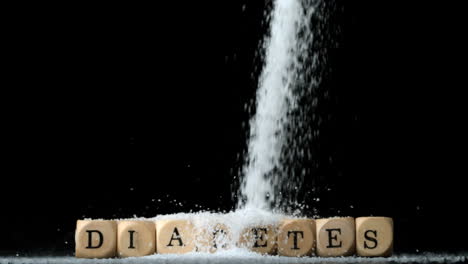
x=174, y=236
x=95, y=239
x=261, y=239
x=136, y=238
x=296, y=237
x=336, y=237
x=374, y=236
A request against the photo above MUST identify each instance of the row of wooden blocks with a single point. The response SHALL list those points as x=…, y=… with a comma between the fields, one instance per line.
x=330, y=237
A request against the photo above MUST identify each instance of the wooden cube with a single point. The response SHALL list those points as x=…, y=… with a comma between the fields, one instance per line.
x=136, y=238
x=374, y=236
x=296, y=237
x=213, y=237
x=261, y=239
x=336, y=237
x=174, y=236
x=95, y=239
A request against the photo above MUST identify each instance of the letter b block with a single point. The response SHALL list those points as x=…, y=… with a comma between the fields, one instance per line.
x=374, y=236
x=336, y=237
x=174, y=236
x=95, y=239
x=136, y=238
x=296, y=237
x=213, y=237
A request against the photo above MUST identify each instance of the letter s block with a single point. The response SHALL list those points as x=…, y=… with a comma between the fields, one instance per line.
x=374, y=236
x=136, y=238
x=336, y=237
x=95, y=239
x=174, y=236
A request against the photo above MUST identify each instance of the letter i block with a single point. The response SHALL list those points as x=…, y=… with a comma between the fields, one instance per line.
x=174, y=236
x=336, y=237
x=296, y=237
x=261, y=239
x=213, y=237
x=374, y=236
x=95, y=239
x=136, y=238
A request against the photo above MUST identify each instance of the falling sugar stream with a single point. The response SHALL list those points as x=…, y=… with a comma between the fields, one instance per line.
x=285, y=72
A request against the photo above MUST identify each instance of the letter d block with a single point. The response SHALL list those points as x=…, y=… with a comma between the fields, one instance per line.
x=95, y=239
x=174, y=236
x=136, y=238
x=336, y=237
x=260, y=239
x=374, y=236
x=296, y=237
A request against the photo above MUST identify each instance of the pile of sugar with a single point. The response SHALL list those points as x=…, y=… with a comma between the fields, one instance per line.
x=235, y=221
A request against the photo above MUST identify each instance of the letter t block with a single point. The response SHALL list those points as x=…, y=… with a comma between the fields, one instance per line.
x=296, y=237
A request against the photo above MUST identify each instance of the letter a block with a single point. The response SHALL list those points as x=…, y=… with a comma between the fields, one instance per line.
x=336, y=237
x=174, y=236
x=261, y=239
x=296, y=237
x=136, y=238
x=374, y=236
x=95, y=239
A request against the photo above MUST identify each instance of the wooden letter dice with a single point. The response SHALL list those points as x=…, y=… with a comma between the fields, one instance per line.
x=296, y=237
x=336, y=237
x=174, y=236
x=374, y=236
x=214, y=237
x=261, y=239
x=95, y=239
x=136, y=238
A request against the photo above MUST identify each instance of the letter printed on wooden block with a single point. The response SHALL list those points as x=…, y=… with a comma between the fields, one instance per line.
x=336, y=237
x=261, y=239
x=95, y=239
x=174, y=236
x=136, y=238
x=374, y=236
x=213, y=237
x=296, y=237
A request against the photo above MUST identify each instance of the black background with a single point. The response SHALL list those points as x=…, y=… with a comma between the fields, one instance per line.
x=107, y=109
